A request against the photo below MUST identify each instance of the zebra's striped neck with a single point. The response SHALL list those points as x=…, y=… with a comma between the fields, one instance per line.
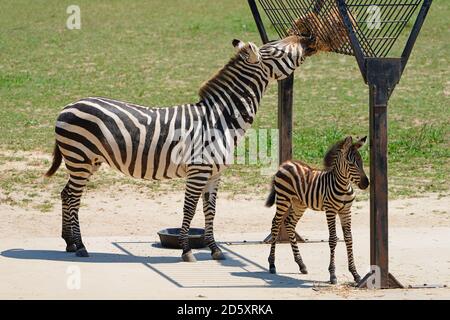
x=236, y=92
x=240, y=109
x=341, y=178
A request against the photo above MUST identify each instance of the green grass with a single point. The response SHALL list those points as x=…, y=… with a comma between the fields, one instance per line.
x=158, y=53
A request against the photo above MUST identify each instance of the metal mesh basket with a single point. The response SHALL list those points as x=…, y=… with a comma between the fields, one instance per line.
x=377, y=24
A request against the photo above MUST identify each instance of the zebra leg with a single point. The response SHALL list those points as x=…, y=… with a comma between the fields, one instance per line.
x=346, y=223
x=291, y=222
x=197, y=178
x=67, y=221
x=283, y=205
x=71, y=204
x=209, y=209
x=332, y=241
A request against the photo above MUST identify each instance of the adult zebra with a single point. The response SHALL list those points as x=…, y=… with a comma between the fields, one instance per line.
x=298, y=185
x=194, y=141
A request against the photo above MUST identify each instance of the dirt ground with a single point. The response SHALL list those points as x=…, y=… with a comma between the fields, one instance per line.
x=120, y=231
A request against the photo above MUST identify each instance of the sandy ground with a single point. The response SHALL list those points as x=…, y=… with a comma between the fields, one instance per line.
x=127, y=262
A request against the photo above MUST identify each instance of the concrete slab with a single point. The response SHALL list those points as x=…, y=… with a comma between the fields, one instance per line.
x=138, y=268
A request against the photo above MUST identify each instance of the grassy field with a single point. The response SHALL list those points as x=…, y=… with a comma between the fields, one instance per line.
x=158, y=53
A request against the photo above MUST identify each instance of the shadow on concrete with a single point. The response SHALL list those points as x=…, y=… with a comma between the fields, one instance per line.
x=277, y=280
x=233, y=260
x=94, y=257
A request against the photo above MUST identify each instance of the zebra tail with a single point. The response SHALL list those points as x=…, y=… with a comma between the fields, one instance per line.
x=271, y=198
x=57, y=158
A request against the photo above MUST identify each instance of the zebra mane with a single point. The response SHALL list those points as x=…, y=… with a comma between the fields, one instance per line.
x=204, y=89
x=207, y=85
x=328, y=160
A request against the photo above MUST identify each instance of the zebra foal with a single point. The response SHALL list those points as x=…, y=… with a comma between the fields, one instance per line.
x=299, y=186
x=193, y=141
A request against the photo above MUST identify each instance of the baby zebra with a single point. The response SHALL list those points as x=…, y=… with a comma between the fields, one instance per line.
x=299, y=186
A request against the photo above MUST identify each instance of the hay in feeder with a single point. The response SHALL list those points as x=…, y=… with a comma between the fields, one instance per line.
x=328, y=30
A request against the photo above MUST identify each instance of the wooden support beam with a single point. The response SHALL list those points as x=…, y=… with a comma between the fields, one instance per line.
x=379, y=255
x=285, y=119
x=382, y=76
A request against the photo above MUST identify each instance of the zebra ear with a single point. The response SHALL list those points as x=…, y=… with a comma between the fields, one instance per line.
x=347, y=143
x=249, y=51
x=253, y=53
x=238, y=44
x=360, y=142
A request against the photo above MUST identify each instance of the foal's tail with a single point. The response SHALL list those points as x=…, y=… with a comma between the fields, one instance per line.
x=271, y=198
x=57, y=158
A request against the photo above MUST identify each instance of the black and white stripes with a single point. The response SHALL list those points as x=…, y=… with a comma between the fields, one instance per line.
x=298, y=186
x=194, y=141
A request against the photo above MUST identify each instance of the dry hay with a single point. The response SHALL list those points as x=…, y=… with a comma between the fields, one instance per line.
x=328, y=30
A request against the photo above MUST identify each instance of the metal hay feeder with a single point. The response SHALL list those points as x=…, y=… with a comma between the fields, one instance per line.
x=372, y=28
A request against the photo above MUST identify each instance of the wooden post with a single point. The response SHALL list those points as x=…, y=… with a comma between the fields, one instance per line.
x=382, y=76
x=285, y=119
x=379, y=255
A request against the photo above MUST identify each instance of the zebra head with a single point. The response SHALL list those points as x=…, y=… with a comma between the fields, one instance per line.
x=354, y=163
x=278, y=59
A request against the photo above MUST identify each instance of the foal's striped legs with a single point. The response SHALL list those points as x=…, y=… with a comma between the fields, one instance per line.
x=345, y=218
x=283, y=205
x=332, y=242
x=291, y=222
x=293, y=216
x=346, y=224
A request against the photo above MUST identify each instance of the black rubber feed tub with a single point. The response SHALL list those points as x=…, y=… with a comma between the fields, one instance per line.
x=170, y=238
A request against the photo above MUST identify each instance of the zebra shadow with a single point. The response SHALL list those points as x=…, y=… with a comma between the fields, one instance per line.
x=278, y=280
x=237, y=263
x=271, y=280
x=94, y=257
x=125, y=256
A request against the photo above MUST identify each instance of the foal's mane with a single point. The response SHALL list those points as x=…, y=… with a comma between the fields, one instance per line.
x=328, y=160
x=220, y=75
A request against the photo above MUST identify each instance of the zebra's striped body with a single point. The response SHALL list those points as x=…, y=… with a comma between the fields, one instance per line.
x=140, y=142
x=192, y=141
x=298, y=186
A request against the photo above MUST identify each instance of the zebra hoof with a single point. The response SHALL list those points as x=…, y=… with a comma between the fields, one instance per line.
x=218, y=255
x=357, y=279
x=82, y=252
x=273, y=270
x=71, y=248
x=333, y=280
x=302, y=267
x=188, y=257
